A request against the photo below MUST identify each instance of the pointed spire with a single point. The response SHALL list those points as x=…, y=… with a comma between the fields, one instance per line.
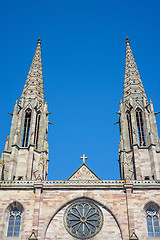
x=133, y=86
x=33, y=87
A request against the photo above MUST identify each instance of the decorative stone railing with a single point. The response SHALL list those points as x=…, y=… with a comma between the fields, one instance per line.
x=17, y=183
x=58, y=183
x=63, y=182
x=84, y=182
x=144, y=182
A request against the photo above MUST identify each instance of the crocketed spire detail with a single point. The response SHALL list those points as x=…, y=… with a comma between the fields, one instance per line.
x=33, y=87
x=133, y=86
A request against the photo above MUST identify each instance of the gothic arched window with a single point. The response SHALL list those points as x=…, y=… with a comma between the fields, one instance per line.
x=14, y=221
x=36, y=136
x=27, y=123
x=140, y=127
x=128, y=114
x=152, y=210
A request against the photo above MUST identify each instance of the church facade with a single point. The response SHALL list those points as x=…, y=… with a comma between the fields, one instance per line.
x=83, y=206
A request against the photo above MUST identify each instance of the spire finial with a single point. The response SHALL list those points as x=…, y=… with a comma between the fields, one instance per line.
x=39, y=41
x=127, y=39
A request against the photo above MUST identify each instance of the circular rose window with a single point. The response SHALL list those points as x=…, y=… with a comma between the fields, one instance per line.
x=83, y=219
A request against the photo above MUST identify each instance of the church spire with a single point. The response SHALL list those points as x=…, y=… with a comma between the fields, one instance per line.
x=133, y=87
x=26, y=149
x=139, y=142
x=33, y=87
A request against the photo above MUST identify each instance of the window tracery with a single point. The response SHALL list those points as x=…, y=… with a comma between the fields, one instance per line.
x=83, y=219
x=152, y=223
x=14, y=223
x=152, y=219
x=14, y=216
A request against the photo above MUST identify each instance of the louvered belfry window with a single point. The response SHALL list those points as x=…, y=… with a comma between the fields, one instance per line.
x=128, y=114
x=26, y=130
x=36, y=136
x=140, y=127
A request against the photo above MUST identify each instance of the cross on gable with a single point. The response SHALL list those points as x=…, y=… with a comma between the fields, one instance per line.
x=84, y=157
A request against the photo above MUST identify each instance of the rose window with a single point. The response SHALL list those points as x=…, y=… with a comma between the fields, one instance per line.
x=83, y=219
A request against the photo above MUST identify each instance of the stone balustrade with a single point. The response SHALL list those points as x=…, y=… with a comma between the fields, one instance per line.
x=77, y=182
x=144, y=182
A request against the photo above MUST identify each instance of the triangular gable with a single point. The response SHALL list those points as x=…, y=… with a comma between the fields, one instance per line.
x=138, y=105
x=28, y=105
x=133, y=236
x=83, y=173
x=33, y=236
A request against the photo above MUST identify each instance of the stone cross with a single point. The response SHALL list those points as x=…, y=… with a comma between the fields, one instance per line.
x=84, y=157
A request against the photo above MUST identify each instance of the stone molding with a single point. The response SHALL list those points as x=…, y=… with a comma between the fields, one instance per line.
x=119, y=184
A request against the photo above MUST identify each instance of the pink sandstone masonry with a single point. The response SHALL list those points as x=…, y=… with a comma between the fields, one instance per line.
x=44, y=205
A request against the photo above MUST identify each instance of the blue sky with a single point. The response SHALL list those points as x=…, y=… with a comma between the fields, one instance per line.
x=83, y=54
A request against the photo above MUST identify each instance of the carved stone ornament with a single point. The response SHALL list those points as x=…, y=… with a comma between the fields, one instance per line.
x=83, y=219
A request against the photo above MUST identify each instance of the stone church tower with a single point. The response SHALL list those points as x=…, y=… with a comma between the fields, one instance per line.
x=139, y=148
x=26, y=149
x=83, y=206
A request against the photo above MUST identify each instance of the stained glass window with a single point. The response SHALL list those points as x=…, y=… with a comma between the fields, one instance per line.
x=14, y=223
x=152, y=223
x=83, y=219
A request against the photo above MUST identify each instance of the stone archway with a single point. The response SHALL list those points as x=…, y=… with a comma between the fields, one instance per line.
x=110, y=229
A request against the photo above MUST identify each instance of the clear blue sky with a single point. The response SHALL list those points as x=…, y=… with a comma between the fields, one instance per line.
x=83, y=53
